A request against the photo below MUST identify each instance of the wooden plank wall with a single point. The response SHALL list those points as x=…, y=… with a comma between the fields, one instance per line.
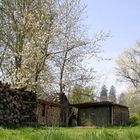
x=120, y=115
x=51, y=115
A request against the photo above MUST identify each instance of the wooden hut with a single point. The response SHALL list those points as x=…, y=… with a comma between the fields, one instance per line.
x=101, y=114
x=53, y=109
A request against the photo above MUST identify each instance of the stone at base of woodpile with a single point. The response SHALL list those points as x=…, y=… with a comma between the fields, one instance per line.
x=17, y=106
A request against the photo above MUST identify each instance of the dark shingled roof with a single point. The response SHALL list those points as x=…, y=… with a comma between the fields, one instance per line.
x=96, y=104
x=49, y=103
x=50, y=97
x=54, y=98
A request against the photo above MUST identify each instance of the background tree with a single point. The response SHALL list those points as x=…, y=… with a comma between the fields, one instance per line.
x=75, y=47
x=26, y=35
x=112, y=94
x=133, y=101
x=122, y=99
x=103, y=94
x=43, y=44
x=131, y=98
x=128, y=66
x=81, y=94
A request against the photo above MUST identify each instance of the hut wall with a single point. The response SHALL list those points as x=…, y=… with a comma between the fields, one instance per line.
x=48, y=114
x=17, y=106
x=120, y=115
x=53, y=116
x=94, y=116
x=41, y=113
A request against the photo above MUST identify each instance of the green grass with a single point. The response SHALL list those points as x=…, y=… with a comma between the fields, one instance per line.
x=54, y=133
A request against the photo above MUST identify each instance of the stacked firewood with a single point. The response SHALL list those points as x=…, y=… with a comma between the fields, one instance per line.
x=17, y=106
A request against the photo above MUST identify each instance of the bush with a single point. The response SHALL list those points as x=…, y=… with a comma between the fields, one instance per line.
x=134, y=119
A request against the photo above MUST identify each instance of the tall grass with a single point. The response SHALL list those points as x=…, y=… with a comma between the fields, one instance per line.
x=52, y=133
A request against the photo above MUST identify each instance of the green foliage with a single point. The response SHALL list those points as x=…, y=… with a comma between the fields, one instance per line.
x=81, y=94
x=131, y=98
x=47, y=133
x=134, y=119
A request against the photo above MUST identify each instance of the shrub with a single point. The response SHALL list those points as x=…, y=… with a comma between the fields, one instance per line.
x=134, y=119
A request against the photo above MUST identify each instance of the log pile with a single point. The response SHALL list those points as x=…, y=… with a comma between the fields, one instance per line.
x=17, y=106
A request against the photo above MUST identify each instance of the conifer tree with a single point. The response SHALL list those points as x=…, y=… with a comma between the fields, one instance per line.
x=112, y=94
x=103, y=94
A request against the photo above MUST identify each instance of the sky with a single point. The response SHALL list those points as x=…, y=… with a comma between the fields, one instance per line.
x=121, y=18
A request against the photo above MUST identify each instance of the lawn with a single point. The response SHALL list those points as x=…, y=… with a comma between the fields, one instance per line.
x=56, y=133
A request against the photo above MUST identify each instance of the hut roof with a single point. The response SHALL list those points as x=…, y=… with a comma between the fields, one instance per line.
x=50, y=97
x=54, y=98
x=96, y=104
x=49, y=103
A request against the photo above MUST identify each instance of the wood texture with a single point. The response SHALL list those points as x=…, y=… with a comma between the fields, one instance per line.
x=17, y=106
